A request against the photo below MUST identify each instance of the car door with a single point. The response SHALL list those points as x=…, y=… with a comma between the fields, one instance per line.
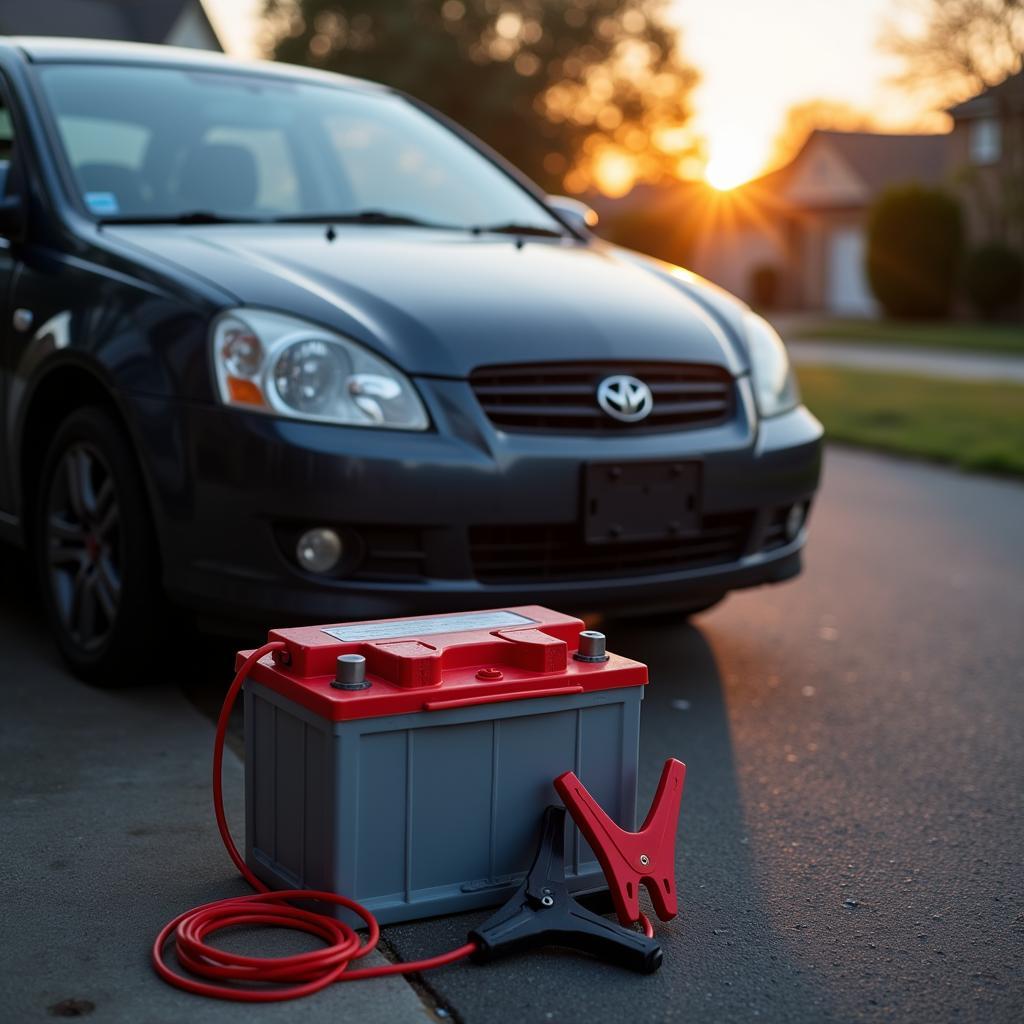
x=8, y=266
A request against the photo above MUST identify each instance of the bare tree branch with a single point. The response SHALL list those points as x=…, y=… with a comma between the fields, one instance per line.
x=952, y=49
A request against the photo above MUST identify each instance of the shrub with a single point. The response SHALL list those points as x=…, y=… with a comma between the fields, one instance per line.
x=993, y=278
x=915, y=244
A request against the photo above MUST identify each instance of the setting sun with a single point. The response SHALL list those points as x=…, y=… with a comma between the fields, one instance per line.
x=733, y=160
x=721, y=176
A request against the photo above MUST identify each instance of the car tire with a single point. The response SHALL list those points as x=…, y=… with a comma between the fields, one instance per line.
x=95, y=551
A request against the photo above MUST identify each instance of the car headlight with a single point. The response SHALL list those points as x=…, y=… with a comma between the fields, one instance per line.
x=775, y=386
x=270, y=363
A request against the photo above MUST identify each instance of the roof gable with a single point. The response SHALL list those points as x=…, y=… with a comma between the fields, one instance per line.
x=822, y=177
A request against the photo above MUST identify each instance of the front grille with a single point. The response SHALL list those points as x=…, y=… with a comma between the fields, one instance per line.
x=535, y=553
x=391, y=553
x=563, y=396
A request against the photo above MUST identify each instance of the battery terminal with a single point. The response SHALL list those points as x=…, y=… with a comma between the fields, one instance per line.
x=592, y=647
x=350, y=673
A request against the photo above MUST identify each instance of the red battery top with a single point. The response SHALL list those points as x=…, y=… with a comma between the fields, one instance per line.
x=434, y=662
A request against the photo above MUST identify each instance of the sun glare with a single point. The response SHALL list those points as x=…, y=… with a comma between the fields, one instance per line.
x=733, y=160
x=721, y=176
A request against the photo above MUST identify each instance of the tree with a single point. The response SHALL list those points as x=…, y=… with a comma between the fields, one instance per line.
x=915, y=246
x=953, y=49
x=578, y=93
x=804, y=118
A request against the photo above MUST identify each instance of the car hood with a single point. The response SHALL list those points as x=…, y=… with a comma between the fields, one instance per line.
x=441, y=303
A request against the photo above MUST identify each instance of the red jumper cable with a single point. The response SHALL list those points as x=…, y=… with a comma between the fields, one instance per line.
x=528, y=919
x=211, y=970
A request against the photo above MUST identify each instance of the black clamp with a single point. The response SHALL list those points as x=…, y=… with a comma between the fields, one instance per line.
x=544, y=913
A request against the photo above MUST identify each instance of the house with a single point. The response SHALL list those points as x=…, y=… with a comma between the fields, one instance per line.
x=795, y=238
x=987, y=160
x=174, y=22
x=804, y=225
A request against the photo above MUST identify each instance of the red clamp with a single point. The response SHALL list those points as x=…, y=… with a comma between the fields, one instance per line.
x=632, y=858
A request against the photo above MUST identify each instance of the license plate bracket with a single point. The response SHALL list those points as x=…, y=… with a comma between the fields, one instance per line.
x=640, y=501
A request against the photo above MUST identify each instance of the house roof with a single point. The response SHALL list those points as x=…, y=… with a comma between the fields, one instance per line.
x=140, y=21
x=880, y=160
x=1008, y=94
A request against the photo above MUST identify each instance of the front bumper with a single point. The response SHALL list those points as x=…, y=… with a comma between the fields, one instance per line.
x=231, y=489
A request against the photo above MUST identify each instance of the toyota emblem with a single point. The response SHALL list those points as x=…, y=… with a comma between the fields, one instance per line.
x=625, y=398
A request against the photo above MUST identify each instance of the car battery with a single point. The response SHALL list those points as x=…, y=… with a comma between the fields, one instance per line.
x=407, y=763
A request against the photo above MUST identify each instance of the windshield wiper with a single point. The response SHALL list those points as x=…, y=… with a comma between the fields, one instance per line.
x=189, y=217
x=383, y=217
x=512, y=228
x=379, y=217
x=387, y=217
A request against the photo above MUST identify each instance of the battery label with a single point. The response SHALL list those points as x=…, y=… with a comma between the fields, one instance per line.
x=429, y=625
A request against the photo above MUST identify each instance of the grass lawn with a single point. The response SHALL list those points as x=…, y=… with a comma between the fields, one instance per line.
x=974, y=425
x=966, y=336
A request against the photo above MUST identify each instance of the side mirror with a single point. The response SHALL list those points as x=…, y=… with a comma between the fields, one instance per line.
x=579, y=215
x=12, y=218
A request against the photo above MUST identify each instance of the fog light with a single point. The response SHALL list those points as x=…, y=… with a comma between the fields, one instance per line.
x=318, y=550
x=795, y=520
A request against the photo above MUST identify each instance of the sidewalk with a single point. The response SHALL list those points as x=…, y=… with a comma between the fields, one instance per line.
x=919, y=361
x=108, y=833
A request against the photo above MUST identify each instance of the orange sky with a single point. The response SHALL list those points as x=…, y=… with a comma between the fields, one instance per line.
x=757, y=58
x=760, y=57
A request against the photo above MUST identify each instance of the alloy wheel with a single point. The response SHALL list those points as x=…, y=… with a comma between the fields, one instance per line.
x=83, y=546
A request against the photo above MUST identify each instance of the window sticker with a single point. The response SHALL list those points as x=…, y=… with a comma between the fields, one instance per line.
x=101, y=203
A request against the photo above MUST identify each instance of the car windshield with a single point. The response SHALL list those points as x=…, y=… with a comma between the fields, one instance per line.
x=162, y=143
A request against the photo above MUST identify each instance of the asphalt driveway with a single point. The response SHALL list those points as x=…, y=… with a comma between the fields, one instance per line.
x=851, y=833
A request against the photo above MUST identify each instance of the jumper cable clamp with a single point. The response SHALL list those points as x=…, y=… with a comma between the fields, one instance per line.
x=544, y=913
x=632, y=859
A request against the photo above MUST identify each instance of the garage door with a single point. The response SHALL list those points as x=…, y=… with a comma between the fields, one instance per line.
x=847, y=289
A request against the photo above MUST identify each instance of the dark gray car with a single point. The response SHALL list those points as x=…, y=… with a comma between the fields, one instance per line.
x=285, y=346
